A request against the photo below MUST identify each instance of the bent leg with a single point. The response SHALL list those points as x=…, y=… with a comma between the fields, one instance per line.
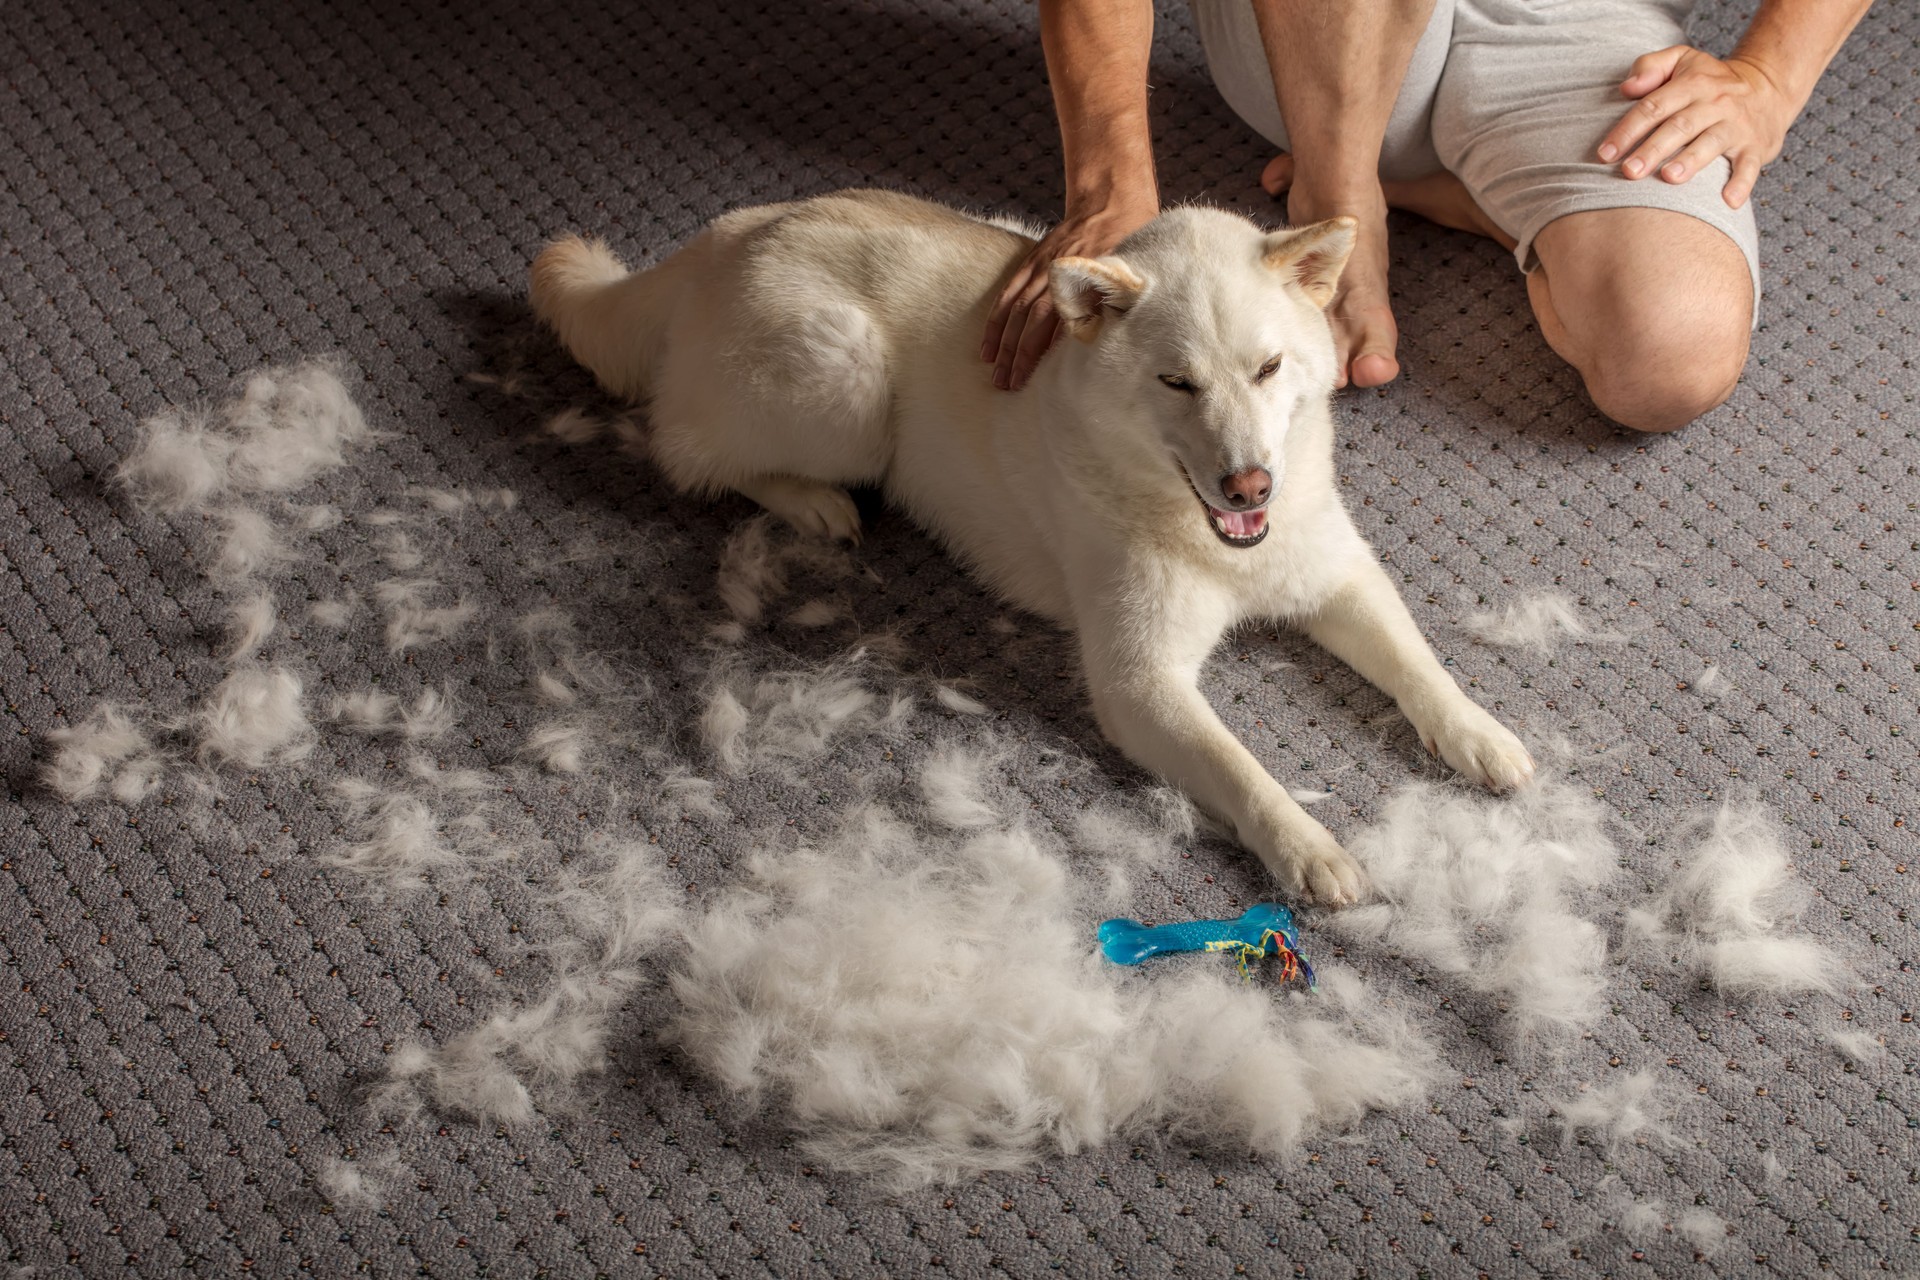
x=1346, y=90
x=1653, y=307
x=1647, y=288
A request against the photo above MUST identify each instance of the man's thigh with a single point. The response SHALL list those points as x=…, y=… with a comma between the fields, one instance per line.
x=1528, y=93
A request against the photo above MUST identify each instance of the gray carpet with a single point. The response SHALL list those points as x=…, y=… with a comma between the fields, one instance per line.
x=196, y=1007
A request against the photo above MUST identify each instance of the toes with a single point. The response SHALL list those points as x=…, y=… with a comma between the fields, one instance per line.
x=843, y=518
x=1509, y=771
x=1483, y=749
x=1333, y=879
x=1372, y=369
x=1339, y=884
x=1278, y=175
x=825, y=513
x=1330, y=893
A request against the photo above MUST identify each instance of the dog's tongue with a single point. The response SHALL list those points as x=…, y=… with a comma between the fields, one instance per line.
x=1240, y=524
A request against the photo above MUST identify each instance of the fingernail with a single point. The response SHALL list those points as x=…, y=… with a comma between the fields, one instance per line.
x=1634, y=166
x=1000, y=379
x=1675, y=172
x=1608, y=151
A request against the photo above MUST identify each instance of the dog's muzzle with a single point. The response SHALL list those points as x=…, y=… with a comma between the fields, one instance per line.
x=1235, y=528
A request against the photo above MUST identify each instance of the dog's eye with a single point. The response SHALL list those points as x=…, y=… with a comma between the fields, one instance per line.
x=1178, y=383
x=1267, y=370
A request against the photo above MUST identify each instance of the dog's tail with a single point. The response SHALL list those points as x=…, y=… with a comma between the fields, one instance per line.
x=565, y=269
x=609, y=319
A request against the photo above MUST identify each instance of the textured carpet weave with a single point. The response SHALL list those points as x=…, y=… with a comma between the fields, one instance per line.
x=196, y=1006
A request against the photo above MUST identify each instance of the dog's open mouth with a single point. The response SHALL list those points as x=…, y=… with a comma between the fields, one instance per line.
x=1235, y=528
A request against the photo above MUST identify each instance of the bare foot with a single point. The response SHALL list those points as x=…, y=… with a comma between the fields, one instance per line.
x=1442, y=198
x=1364, y=334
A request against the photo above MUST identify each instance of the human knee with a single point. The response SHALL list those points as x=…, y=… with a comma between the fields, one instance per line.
x=1654, y=308
x=1658, y=377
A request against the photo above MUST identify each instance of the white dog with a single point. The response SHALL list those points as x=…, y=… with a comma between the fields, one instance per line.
x=1166, y=474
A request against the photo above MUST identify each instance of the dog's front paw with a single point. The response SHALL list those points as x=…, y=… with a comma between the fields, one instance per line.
x=1310, y=864
x=1479, y=746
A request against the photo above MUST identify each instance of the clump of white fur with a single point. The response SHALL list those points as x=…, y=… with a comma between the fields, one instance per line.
x=411, y=621
x=1479, y=888
x=250, y=544
x=1539, y=623
x=1858, y=1047
x=1640, y=1222
x=618, y=916
x=953, y=783
x=454, y=501
x=1704, y=1229
x=254, y=718
x=954, y=700
x=374, y=711
x=355, y=1184
x=749, y=571
x=928, y=1006
x=815, y=613
x=287, y=426
x=757, y=559
x=1727, y=913
x=104, y=748
x=790, y=716
x=1620, y=1113
x=574, y=426
x=558, y=747
x=393, y=839
x=1147, y=834
x=335, y=615
x=249, y=625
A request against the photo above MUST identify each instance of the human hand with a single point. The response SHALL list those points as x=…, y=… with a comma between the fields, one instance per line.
x=1022, y=324
x=1693, y=109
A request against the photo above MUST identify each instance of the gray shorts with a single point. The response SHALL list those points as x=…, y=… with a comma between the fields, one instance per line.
x=1512, y=96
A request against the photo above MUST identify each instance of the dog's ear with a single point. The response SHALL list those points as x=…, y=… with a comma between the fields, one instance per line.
x=1087, y=289
x=1315, y=255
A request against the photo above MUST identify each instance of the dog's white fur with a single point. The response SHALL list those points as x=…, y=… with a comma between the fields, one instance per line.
x=794, y=349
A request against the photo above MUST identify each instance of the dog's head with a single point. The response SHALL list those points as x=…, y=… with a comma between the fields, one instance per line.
x=1213, y=335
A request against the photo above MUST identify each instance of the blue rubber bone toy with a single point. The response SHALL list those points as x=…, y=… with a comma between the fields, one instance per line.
x=1266, y=929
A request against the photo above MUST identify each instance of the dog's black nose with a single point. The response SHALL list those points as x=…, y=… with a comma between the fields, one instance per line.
x=1247, y=488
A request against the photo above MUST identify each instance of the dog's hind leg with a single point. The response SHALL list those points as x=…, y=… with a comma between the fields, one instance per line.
x=785, y=409
x=810, y=506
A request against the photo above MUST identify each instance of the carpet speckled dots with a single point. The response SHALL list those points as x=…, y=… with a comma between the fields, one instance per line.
x=227, y=1014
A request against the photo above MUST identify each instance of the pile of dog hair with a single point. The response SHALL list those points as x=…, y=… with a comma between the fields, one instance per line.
x=912, y=988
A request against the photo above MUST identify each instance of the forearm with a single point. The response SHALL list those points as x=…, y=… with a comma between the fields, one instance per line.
x=1792, y=41
x=1097, y=54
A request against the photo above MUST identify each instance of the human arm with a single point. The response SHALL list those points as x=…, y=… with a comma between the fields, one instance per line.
x=1097, y=53
x=1694, y=107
